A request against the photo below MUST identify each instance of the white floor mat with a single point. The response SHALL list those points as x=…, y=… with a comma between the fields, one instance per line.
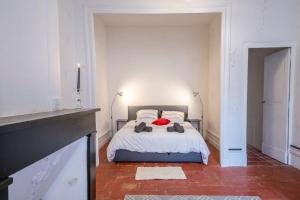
x=150, y=173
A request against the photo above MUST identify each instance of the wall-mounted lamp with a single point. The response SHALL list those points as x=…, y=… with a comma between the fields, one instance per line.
x=111, y=110
x=197, y=94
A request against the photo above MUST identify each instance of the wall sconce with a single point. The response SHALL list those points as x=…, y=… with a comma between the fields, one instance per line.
x=197, y=94
x=111, y=110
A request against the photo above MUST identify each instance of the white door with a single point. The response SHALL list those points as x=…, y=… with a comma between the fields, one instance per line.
x=275, y=108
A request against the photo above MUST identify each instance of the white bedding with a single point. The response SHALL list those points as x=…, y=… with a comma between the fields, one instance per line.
x=158, y=141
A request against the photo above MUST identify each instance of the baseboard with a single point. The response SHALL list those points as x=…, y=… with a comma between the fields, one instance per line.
x=102, y=140
x=277, y=153
x=295, y=158
x=213, y=139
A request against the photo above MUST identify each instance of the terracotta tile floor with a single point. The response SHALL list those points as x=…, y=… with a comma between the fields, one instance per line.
x=256, y=158
x=264, y=177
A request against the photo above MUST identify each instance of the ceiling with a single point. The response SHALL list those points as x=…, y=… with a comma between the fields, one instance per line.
x=157, y=19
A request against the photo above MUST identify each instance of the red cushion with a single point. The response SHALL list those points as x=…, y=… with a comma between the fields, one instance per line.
x=161, y=122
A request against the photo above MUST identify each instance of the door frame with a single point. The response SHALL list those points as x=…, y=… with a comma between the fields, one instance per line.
x=292, y=68
x=225, y=11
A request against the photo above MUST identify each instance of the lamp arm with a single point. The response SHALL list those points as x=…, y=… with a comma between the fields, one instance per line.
x=111, y=105
x=197, y=94
x=111, y=113
x=202, y=122
x=202, y=106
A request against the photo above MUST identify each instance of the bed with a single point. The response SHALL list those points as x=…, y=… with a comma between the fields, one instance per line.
x=158, y=145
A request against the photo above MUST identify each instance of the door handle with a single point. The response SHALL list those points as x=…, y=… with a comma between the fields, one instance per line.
x=263, y=101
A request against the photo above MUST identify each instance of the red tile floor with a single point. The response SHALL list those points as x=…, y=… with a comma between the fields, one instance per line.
x=256, y=158
x=263, y=177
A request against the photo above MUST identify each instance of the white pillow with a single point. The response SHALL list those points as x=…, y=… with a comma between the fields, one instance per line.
x=173, y=116
x=147, y=115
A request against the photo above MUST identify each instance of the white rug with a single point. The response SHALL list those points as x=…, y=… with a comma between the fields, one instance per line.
x=150, y=173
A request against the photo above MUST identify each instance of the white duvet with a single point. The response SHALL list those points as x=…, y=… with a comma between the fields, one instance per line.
x=158, y=141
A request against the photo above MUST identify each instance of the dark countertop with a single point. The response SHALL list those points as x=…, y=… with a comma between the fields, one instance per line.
x=19, y=120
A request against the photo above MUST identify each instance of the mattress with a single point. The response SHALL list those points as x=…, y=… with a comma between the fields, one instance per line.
x=158, y=141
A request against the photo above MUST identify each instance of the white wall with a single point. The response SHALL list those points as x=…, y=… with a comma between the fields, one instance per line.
x=29, y=56
x=157, y=65
x=295, y=157
x=102, y=94
x=31, y=81
x=265, y=25
x=71, y=46
x=214, y=82
x=250, y=21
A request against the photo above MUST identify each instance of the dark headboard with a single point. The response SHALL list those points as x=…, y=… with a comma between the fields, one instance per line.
x=132, y=110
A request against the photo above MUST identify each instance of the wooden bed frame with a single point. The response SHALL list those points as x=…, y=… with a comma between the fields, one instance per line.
x=131, y=156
